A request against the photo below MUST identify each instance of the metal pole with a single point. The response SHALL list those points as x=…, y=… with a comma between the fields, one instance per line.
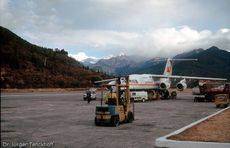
x=133, y=110
x=101, y=95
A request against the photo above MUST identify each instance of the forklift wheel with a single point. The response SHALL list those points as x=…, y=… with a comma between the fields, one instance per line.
x=130, y=117
x=115, y=121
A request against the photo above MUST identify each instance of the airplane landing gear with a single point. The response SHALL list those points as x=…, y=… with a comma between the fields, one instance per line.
x=165, y=94
x=173, y=95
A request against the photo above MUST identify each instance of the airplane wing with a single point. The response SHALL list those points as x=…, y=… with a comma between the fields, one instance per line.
x=107, y=80
x=188, y=77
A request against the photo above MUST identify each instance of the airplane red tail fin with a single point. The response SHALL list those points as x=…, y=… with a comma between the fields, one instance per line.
x=169, y=65
x=168, y=68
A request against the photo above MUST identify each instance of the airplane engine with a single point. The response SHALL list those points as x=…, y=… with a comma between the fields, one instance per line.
x=181, y=85
x=164, y=85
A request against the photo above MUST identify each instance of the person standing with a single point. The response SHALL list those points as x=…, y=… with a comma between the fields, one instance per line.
x=88, y=93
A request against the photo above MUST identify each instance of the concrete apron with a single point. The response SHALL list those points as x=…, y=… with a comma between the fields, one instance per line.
x=167, y=143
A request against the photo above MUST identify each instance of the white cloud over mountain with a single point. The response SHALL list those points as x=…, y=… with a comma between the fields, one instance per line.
x=81, y=56
x=163, y=42
x=99, y=28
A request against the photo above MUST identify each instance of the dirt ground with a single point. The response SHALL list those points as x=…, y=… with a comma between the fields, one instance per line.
x=214, y=129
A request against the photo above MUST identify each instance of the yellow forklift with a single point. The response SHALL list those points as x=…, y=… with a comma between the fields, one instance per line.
x=119, y=108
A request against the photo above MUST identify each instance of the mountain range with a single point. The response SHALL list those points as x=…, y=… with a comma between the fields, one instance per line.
x=212, y=62
x=111, y=65
x=24, y=65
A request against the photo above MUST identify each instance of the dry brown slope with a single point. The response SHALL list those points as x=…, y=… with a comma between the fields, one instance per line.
x=24, y=65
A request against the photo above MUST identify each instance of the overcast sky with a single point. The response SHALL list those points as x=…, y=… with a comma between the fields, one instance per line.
x=103, y=28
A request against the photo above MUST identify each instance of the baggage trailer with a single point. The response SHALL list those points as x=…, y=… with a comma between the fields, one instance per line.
x=207, y=91
x=222, y=100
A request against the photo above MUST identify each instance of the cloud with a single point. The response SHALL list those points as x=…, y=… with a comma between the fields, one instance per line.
x=81, y=56
x=119, y=15
x=147, y=27
x=163, y=42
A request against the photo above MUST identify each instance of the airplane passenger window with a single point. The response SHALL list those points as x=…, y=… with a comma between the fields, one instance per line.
x=133, y=81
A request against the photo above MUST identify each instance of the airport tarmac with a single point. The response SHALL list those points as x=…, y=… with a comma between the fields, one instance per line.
x=63, y=119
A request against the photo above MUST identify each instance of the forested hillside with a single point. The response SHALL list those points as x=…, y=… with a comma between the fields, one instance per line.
x=24, y=65
x=212, y=62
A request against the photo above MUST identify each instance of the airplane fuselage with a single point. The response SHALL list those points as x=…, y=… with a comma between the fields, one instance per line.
x=143, y=82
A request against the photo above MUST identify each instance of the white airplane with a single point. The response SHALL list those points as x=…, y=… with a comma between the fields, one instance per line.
x=161, y=82
x=153, y=81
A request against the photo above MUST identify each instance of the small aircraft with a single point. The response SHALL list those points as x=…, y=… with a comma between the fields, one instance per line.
x=160, y=83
